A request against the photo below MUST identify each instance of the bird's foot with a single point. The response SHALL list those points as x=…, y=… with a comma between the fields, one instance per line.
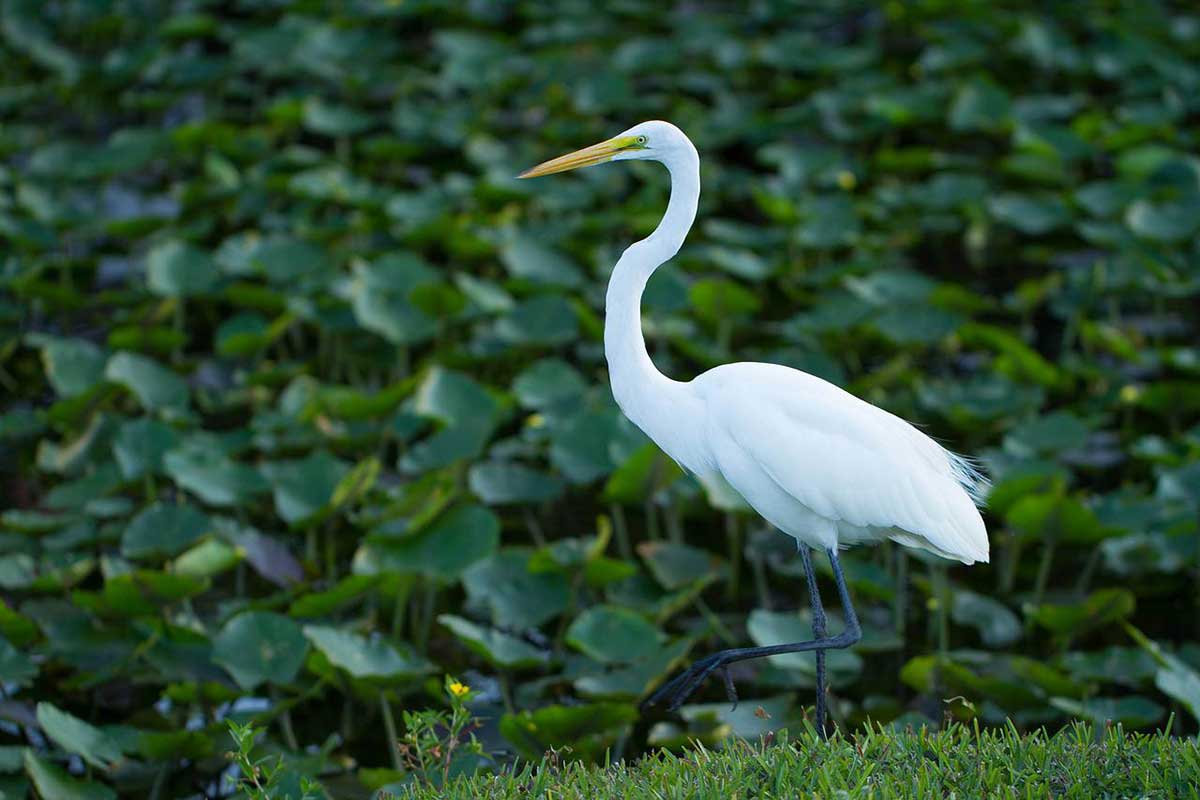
x=675, y=691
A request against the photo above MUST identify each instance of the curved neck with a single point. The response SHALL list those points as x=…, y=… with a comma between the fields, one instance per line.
x=649, y=398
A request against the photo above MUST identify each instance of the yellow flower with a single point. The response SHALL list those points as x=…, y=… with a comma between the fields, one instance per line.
x=846, y=180
x=1130, y=394
x=458, y=689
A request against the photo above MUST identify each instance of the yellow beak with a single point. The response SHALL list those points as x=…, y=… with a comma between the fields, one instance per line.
x=596, y=154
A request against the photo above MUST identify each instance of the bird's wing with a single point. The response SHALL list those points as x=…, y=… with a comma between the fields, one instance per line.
x=845, y=459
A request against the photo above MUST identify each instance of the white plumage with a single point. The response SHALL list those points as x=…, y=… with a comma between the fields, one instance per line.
x=830, y=469
x=817, y=462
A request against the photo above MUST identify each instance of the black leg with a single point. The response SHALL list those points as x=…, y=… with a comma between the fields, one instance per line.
x=818, y=626
x=675, y=691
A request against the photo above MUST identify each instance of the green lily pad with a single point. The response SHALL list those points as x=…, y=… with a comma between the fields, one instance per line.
x=497, y=648
x=304, y=488
x=17, y=571
x=287, y=260
x=73, y=366
x=76, y=736
x=525, y=256
x=745, y=721
x=613, y=635
x=717, y=299
x=453, y=398
x=207, y=472
x=1128, y=666
x=1165, y=222
x=516, y=597
x=997, y=625
x=259, y=647
x=364, y=657
x=547, y=382
x=778, y=627
x=445, y=549
x=330, y=119
x=15, y=666
x=341, y=594
x=1053, y=515
x=1133, y=712
x=179, y=269
x=1104, y=198
x=981, y=105
x=582, y=448
x=1174, y=677
x=546, y=319
x=210, y=557
x=829, y=222
x=141, y=444
x=382, y=295
x=500, y=483
x=470, y=415
x=163, y=529
x=635, y=679
x=642, y=473
x=1100, y=608
x=54, y=783
x=92, y=487
x=1029, y=214
x=587, y=728
x=145, y=592
x=1051, y=433
x=156, y=387
x=675, y=566
x=242, y=334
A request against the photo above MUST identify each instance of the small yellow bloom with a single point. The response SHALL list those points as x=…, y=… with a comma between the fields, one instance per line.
x=535, y=421
x=458, y=689
x=846, y=180
x=1130, y=394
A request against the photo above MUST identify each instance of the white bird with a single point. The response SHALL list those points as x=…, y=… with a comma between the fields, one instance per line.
x=815, y=461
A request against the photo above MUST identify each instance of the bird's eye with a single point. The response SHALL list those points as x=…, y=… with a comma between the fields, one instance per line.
x=641, y=140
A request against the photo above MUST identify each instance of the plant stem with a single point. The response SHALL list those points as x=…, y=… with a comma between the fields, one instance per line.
x=285, y=723
x=621, y=529
x=389, y=725
x=330, y=551
x=534, y=527
x=429, y=597
x=760, y=581
x=398, y=614
x=715, y=622
x=1085, y=575
x=674, y=524
x=651, y=519
x=1008, y=575
x=506, y=693
x=1043, y=573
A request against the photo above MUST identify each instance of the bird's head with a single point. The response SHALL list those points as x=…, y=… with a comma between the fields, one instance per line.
x=654, y=140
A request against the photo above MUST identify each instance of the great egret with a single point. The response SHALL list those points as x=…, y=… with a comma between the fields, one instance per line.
x=815, y=461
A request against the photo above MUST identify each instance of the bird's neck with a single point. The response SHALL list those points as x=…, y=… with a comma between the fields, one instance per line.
x=654, y=402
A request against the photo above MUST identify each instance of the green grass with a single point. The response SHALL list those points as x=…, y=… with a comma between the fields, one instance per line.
x=960, y=762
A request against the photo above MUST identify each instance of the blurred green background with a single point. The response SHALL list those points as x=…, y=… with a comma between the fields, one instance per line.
x=305, y=403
